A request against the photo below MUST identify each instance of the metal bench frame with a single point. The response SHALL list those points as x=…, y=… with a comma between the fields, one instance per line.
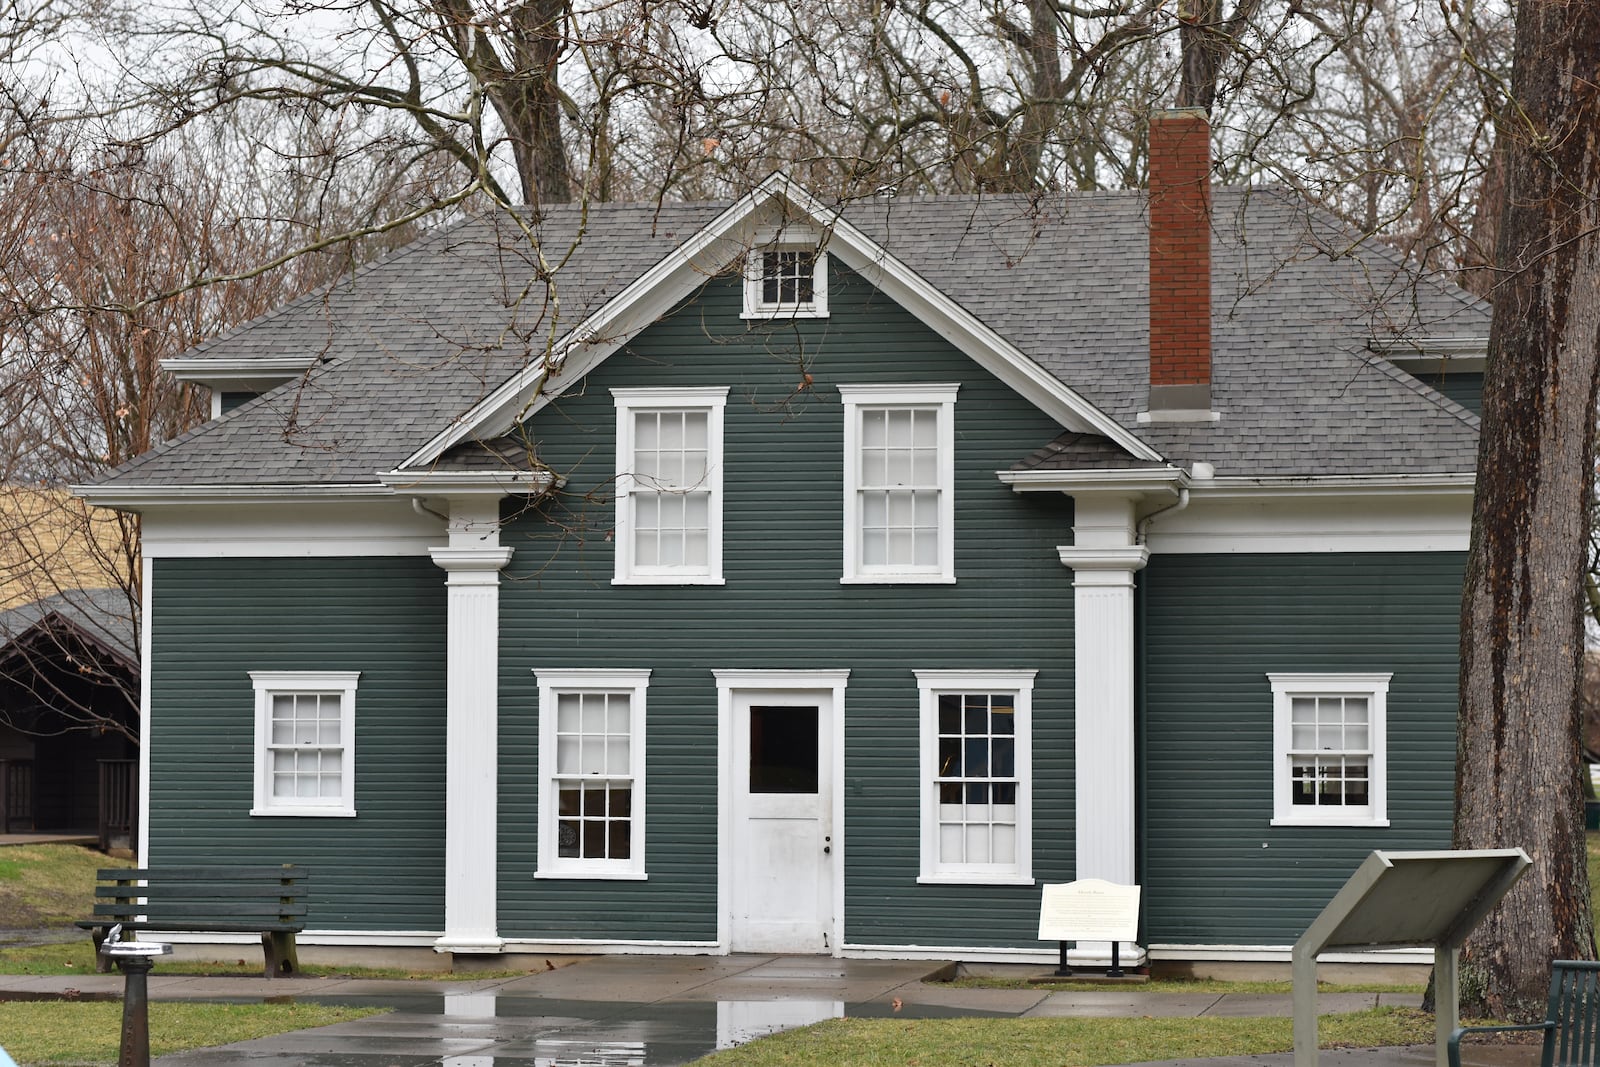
x=1572, y=1020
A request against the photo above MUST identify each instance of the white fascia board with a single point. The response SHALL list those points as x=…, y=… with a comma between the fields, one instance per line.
x=1447, y=484
x=259, y=373
x=363, y=526
x=978, y=341
x=469, y=483
x=1171, y=479
x=1438, y=354
x=711, y=250
x=583, y=347
x=1346, y=515
x=136, y=498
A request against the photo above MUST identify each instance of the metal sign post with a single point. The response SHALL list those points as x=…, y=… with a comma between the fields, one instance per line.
x=1405, y=900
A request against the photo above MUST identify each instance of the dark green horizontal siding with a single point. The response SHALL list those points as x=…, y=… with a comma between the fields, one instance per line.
x=1465, y=389
x=1214, y=870
x=213, y=621
x=783, y=608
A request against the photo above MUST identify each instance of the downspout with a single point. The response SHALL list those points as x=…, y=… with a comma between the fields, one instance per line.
x=1144, y=523
x=1141, y=615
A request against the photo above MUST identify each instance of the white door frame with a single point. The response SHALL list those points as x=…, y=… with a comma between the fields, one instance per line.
x=730, y=682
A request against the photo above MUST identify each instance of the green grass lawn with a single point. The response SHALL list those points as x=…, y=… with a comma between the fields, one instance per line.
x=43, y=886
x=83, y=1032
x=1057, y=1042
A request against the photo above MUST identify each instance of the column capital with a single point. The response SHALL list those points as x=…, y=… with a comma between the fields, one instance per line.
x=463, y=563
x=1096, y=565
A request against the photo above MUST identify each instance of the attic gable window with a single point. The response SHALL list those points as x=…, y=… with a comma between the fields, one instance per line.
x=788, y=278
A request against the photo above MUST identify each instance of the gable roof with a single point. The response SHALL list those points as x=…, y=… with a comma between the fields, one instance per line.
x=401, y=351
x=101, y=618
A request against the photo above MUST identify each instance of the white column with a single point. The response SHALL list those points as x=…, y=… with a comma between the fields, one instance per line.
x=472, y=560
x=1104, y=559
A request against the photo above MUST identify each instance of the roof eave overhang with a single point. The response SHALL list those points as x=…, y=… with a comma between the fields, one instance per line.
x=1153, y=480
x=1461, y=355
x=255, y=375
x=713, y=247
x=470, y=483
x=135, y=498
x=1429, y=484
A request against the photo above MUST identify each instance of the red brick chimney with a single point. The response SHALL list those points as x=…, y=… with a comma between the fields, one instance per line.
x=1180, y=265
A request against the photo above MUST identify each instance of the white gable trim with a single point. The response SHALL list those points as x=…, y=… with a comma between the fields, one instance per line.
x=709, y=252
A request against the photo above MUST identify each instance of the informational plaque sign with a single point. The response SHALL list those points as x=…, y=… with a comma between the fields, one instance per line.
x=1089, y=910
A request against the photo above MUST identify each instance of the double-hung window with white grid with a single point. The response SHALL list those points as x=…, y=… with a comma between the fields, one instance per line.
x=304, y=742
x=1328, y=732
x=899, y=502
x=669, y=486
x=976, y=775
x=591, y=773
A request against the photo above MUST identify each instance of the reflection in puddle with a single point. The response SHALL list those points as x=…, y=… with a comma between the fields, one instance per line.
x=739, y=1021
x=469, y=1006
x=554, y=1052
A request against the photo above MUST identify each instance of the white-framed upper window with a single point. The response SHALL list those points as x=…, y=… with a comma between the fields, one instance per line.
x=786, y=276
x=591, y=773
x=669, y=486
x=977, y=776
x=305, y=750
x=1329, y=749
x=899, y=483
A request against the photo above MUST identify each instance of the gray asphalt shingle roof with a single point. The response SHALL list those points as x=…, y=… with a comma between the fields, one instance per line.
x=407, y=344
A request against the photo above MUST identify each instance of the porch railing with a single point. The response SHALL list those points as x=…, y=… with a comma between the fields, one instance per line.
x=16, y=795
x=119, y=803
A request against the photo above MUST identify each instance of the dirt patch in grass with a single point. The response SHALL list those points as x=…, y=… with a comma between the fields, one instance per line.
x=45, y=886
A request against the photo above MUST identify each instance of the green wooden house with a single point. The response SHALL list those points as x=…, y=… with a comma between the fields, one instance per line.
x=796, y=576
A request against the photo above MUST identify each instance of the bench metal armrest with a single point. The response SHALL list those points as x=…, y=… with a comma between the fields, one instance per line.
x=1454, y=1048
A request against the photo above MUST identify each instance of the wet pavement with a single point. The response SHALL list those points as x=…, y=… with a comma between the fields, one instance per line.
x=642, y=1011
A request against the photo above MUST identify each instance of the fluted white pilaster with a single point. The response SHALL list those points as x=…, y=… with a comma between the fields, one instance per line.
x=1104, y=560
x=472, y=561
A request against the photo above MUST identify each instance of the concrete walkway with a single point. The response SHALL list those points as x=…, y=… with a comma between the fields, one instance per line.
x=648, y=1010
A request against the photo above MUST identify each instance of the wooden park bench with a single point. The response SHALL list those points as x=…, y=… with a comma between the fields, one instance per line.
x=1572, y=1021
x=269, y=901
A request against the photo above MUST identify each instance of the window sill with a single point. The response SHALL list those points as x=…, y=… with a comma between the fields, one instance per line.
x=1355, y=821
x=767, y=314
x=305, y=813
x=592, y=876
x=975, y=879
x=669, y=579
x=898, y=579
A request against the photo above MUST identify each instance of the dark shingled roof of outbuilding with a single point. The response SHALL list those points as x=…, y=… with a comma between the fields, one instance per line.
x=404, y=346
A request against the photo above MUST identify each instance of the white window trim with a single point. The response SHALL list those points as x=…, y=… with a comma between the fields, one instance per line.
x=267, y=685
x=1373, y=686
x=791, y=240
x=551, y=684
x=712, y=400
x=942, y=397
x=930, y=684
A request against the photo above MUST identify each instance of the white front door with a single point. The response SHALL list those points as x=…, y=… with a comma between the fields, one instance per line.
x=784, y=859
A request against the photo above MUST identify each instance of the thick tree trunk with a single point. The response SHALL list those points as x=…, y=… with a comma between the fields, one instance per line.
x=1517, y=777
